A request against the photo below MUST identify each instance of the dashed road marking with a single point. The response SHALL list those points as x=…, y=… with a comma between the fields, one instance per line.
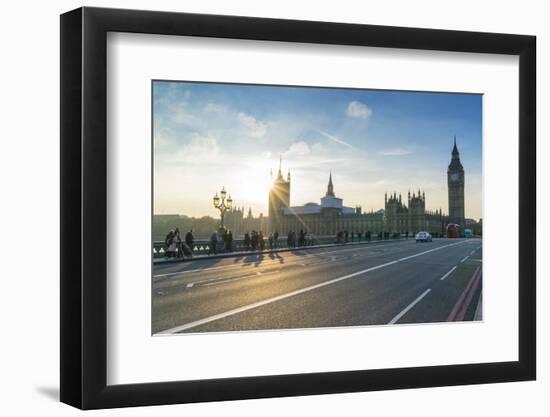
x=247, y=307
x=448, y=273
x=411, y=305
x=463, y=259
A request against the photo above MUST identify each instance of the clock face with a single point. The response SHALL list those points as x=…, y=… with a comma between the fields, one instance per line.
x=454, y=176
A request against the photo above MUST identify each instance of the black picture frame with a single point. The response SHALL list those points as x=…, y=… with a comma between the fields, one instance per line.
x=84, y=207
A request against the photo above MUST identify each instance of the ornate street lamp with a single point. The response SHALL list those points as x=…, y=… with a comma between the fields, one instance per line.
x=222, y=204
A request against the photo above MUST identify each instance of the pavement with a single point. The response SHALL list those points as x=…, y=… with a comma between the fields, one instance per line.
x=221, y=254
x=354, y=285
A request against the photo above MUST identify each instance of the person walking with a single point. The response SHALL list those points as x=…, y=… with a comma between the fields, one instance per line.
x=270, y=240
x=213, y=244
x=276, y=239
x=229, y=242
x=178, y=241
x=247, y=241
x=302, y=238
x=169, y=245
x=261, y=241
x=189, y=239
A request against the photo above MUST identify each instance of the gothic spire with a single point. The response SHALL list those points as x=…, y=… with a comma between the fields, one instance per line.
x=330, y=188
x=456, y=155
x=280, y=174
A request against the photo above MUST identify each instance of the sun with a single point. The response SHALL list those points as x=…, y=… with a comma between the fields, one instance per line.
x=253, y=185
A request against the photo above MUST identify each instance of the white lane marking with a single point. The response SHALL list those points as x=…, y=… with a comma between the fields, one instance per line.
x=448, y=273
x=190, y=285
x=208, y=284
x=463, y=259
x=238, y=310
x=411, y=305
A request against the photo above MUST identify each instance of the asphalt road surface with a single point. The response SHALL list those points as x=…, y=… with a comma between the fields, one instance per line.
x=351, y=285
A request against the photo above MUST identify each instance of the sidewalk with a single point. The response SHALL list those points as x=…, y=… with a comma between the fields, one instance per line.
x=478, y=315
x=245, y=253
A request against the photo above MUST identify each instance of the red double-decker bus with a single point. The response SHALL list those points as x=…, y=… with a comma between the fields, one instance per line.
x=453, y=230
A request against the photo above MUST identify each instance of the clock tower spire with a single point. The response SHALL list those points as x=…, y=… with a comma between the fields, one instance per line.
x=455, y=184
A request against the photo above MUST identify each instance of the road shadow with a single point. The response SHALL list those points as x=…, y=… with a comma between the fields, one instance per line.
x=49, y=392
x=275, y=255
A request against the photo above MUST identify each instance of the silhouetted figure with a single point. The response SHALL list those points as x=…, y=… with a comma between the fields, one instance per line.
x=247, y=241
x=189, y=239
x=261, y=241
x=170, y=245
x=302, y=238
x=229, y=241
x=270, y=241
x=276, y=239
x=213, y=244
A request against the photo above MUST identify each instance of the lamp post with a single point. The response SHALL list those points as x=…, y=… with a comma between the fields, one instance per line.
x=222, y=204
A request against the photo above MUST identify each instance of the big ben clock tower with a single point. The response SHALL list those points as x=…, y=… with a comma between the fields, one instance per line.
x=455, y=182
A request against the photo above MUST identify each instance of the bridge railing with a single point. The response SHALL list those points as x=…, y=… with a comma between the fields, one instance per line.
x=203, y=246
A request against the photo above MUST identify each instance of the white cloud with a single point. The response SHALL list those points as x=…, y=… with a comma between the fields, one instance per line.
x=254, y=127
x=181, y=115
x=215, y=108
x=199, y=151
x=298, y=149
x=396, y=152
x=358, y=110
x=336, y=139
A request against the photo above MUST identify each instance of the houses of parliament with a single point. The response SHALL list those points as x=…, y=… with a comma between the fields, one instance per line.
x=400, y=214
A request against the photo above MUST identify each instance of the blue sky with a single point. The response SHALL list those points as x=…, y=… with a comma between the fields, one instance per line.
x=211, y=135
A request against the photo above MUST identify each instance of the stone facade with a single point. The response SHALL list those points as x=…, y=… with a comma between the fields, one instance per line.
x=331, y=216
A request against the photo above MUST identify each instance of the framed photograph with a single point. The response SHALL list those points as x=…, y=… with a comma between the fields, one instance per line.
x=257, y=207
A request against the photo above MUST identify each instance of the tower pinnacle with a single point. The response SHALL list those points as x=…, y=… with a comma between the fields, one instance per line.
x=330, y=188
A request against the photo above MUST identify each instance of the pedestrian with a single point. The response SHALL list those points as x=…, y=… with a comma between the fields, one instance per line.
x=229, y=241
x=302, y=238
x=261, y=241
x=359, y=235
x=213, y=243
x=352, y=236
x=367, y=235
x=224, y=238
x=346, y=236
x=270, y=240
x=189, y=239
x=179, y=247
x=276, y=239
x=294, y=239
x=247, y=241
x=254, y=240
x=169, y=245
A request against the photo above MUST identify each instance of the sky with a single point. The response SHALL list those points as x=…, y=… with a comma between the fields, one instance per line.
x=212, y=135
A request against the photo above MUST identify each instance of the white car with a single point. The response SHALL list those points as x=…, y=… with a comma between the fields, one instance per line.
x=423, y=237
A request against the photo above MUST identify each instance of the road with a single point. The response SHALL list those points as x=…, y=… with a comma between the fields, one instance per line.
x=352, y=285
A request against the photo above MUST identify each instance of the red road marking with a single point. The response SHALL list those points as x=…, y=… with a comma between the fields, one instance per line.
x=459, y=309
